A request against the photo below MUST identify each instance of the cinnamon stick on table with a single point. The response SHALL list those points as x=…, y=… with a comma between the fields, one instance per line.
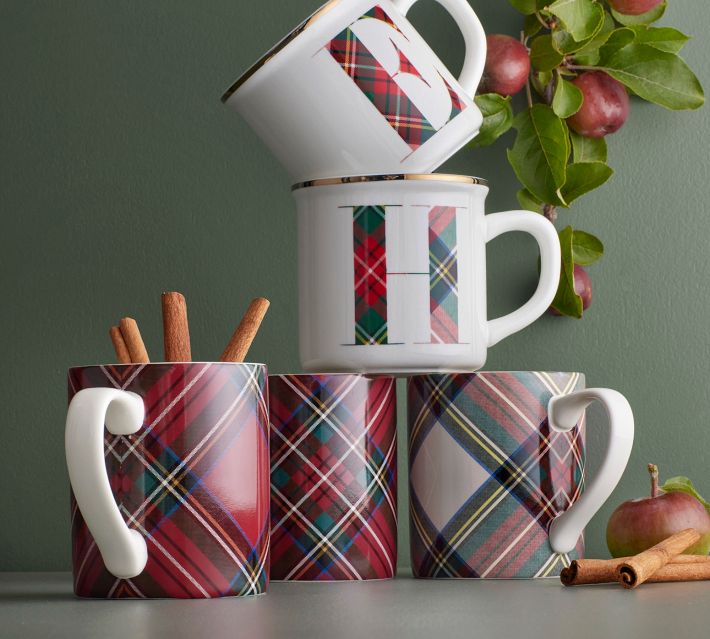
x=134, y=341
x=605, y=571
x=243, y=337
x=176, y=333
x=119, y=346
x=636, y=570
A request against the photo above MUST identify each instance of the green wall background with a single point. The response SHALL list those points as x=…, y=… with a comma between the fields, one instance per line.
x=122, y=175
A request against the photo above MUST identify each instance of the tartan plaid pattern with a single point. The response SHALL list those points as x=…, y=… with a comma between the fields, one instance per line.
x=457, y=105
x=527, y=474
x=370, y=259
x=333, y=477
x=443, y=275
x=381, y=88
x=193, y=481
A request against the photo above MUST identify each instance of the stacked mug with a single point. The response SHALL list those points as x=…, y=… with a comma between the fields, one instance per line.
x=392, y=282
x=169, y=463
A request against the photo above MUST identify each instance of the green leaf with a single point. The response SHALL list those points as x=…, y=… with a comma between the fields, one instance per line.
x=586, y=248
x=617, y=39
x=582, y=18
x=528, y=201
x=539, y=155
x=654, y=75
x=566, y=301
x=567, y=99
x=542, y=54
x=583, y=177
x=663, y=38
x=684, y=485
x=588, y=149
x=540, y=80
x=587, y=52
x=645, y=18
x=527, y=6
x=531, y=26
x=587, y=58
x=497, y=118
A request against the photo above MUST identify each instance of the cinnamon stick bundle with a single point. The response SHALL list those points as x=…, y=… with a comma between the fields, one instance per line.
x=245, y=333
x=176, y=333
x=605, y=571
x=636, y=570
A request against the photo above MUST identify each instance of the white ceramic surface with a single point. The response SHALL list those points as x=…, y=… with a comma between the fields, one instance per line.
x=564, y=412
x=310, y=99
x=123, y=550
x=392, y=274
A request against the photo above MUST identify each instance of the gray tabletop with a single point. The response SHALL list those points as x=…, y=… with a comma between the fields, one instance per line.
x=42, y=605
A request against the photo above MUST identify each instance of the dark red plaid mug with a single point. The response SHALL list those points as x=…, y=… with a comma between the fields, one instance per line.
x=171, y=499
x=333, y=477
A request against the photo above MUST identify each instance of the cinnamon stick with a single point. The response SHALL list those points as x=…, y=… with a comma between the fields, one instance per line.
x=176, y=333
x=681, y=572
x=134, y=341
x=119, y=346
x=243, y=337
x=604, y=571
x=636, y=570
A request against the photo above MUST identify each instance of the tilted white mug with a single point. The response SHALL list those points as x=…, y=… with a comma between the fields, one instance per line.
x=392, y=273
x=356, y=90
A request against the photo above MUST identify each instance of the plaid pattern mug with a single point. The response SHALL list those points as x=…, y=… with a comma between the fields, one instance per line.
x=333, y=477
x=171, y=498
x=392, y=273
x=355, y=89
x=497, y=471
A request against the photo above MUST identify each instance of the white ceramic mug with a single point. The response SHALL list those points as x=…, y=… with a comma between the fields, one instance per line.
x=392, y=273
x=356, y=90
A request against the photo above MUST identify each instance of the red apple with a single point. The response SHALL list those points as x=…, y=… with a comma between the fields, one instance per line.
x=638, y=524
x=605, y=107
x=634, y=7
x=507, y=66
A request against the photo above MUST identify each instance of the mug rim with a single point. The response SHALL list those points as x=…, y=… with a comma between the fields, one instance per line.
x=367, y=376
x=73, y=368
x=539, y=372
x=393, y=177
x=278, y=47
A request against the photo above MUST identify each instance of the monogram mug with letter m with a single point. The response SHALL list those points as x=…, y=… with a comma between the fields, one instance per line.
x=356, y=90
x=392, y=273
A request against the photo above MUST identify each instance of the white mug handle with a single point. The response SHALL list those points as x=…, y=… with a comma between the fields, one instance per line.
x=564, y=411
x=474, y=38
x=550, y=263
x=123, y=550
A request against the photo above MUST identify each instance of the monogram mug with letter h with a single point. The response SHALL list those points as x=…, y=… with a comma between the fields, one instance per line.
x=392, y=273
x=497, y=471
x=171, y=498
x=356, y=90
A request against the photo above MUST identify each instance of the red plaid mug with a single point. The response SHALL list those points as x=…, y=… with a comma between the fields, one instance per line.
x=356, y=90
x=333, y=477
x=171, y=498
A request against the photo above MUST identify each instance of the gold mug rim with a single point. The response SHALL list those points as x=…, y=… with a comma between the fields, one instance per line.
x=393, y=177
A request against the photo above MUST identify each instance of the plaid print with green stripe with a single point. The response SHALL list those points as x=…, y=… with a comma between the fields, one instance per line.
x=381, y=88
x=370, y=259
